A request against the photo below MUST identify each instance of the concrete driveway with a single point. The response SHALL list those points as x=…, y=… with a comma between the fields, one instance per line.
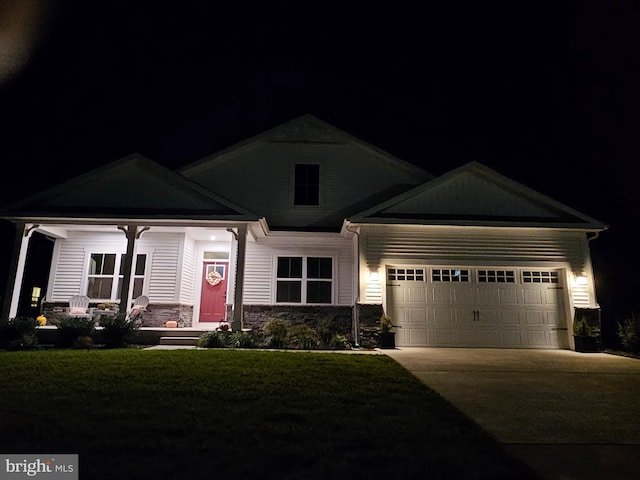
x=569, y=415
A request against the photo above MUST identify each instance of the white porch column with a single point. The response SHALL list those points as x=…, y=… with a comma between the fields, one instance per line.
x=132, y=233
x=15, y=272
x=241, y=237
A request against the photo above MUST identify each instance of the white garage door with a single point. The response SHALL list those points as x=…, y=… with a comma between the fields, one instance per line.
x=477, y=307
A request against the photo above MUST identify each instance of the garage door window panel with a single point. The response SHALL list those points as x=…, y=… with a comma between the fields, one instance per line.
x=405, y=274
x=496, y=276
x=540, y=277
x=449, y=275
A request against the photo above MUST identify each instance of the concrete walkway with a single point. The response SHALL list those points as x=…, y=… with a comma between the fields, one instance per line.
x=572, y=416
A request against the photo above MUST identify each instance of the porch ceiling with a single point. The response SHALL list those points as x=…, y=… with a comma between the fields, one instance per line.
x=204, y=233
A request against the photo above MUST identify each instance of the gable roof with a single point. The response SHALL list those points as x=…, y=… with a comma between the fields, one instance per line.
x=476, y=195
x=305, y=129
x=132, y=187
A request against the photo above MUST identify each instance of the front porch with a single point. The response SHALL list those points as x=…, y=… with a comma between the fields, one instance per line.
x=188, y=336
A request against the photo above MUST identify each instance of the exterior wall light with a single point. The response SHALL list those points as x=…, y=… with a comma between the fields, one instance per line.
x=581, y=280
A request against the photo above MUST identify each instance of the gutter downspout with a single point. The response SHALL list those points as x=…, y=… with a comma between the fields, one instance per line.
x=356, y=322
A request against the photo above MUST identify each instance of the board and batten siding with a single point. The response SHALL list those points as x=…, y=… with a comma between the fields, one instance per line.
x=427, y=245
x=260, y=275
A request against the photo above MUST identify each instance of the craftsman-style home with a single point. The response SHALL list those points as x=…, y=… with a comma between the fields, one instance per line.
x=307, y=222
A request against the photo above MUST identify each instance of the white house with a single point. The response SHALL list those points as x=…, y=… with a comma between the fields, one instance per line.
x=309, y=223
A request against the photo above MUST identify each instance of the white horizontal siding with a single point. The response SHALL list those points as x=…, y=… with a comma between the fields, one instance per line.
x=257, y=274
x=496, y=245
x=187, y=271
x=71, y=254
x=164, y=266
x=426, y=245
x=260, y=258
x=345, y=264
x=70, y=269
x=581, y=297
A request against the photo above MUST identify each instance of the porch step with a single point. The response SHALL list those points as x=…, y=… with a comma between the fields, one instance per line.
x=176, y=340
x=176, y=332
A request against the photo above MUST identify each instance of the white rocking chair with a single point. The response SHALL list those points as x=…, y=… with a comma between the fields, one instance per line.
x=140, y=305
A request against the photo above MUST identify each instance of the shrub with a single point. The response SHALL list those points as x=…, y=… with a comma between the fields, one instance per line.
x=326, y=330
x=275, y=331
x=385, y=324
x=213, y=339
x=20, y=333
x=241, y=340
x=83, y=341
x=71, y=328
x=302, y=336
x=339, y=342
x=629, y=333
x=117, y=330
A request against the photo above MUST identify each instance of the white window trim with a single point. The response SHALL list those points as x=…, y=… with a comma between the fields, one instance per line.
x=304, y=279
x=116, y=274
x=292, y=189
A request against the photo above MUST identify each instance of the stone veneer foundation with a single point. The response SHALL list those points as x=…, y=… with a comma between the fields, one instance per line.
x=254, y=316
x=368, y=321
x=339, y=317
x=155, y=315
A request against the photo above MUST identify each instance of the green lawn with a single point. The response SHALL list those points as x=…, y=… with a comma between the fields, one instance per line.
x=222, y=414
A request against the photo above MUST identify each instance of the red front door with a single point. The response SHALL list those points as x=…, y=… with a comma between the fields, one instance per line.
x=214, y=292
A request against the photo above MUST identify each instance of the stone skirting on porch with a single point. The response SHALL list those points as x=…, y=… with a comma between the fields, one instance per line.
x=159, y=315
x=156, y=315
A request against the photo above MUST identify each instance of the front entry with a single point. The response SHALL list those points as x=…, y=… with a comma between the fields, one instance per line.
x=213, y=297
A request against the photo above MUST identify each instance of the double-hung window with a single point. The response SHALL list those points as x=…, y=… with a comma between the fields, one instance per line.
x=106, y=271
x=306, y=280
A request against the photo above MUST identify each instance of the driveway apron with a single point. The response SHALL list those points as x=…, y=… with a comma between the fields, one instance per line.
x=569, y=415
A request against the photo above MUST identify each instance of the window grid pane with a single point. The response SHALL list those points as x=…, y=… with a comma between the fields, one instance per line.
x=289, y=267
x=99, y=287
x=449, y=275
x=289, y=291
x=540, y=277
x=496, y=276
x=406, y=274
x=307, y=184
x=103, y=276
x=319, y=267
x=311, y=284
x=141, y=262
x=318, y=292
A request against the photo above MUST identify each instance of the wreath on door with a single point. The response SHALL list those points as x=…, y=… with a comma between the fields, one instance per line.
x=214, y=278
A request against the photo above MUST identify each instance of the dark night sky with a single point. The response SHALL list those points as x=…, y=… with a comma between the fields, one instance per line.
x=544, y=92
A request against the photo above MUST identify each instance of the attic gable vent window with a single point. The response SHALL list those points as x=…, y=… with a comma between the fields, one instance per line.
x=307, y=184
